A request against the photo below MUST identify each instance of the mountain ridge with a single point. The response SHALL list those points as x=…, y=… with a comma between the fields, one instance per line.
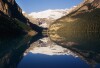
x=13, y=22
x=12, y=9
x=47, y=17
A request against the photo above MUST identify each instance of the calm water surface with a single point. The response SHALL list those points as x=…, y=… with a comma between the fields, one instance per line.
x=56, y=61
x=62, y=49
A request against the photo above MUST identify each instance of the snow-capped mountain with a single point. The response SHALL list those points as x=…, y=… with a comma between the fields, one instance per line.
x=46, y=17
x=49, y=14
x=31, y=19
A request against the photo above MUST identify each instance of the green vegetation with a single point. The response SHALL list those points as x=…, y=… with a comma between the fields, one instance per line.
x=12, y=27
x=23, y=25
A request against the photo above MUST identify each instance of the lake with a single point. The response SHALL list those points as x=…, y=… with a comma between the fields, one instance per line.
x=46, y=54
x=61, y=49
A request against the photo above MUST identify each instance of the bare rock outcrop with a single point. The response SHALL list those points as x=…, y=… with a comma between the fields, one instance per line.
x=12, y=9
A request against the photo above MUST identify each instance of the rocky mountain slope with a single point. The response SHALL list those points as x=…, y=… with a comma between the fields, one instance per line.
x=87, y=13
x=87, y=6
x=85, y=19
x=12, y=9
x=12, y=21
x=79, y=31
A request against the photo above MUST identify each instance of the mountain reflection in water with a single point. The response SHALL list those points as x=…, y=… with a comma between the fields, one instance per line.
x=82, y=39
x=40, y=52
x=12, y=49
x=55, y=61
x=46, y=54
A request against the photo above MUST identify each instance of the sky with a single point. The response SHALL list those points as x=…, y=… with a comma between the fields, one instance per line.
x=30, y=6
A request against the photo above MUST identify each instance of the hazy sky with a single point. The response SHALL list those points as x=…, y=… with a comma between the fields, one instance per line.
x=40, y=5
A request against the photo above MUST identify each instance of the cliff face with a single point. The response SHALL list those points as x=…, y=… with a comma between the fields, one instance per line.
x=86, y=5
x=12, y=21
x=12, y=9
x=80, y=31
x=90, y=4
x=80, y=23
x=96, y=3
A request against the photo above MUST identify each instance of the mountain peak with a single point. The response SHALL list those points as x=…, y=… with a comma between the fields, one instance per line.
x=55, y=14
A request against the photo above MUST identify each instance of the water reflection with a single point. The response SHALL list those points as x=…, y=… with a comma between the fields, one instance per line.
x=56, y=61
x=44, y=52
x=12, y=49
x=82, y=39
x=79, y=49
x=46, y=46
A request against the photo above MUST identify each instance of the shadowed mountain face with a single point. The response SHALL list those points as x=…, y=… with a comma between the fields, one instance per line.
x=16, y=34
x=13, y=22
x=80, y=31
x=12, y=9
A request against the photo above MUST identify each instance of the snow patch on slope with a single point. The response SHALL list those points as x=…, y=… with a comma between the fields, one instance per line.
x=55, y=14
